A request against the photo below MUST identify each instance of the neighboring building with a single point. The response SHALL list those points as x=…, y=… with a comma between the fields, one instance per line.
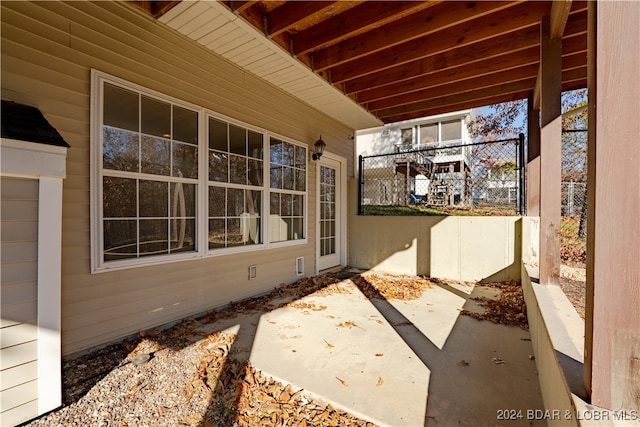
x=429, y=165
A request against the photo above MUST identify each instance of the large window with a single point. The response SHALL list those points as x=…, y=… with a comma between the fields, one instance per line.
x=149, y=175
x=288, y=178
x=173, y=181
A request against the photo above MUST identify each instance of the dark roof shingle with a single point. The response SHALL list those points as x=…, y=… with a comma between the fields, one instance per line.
x=26, y=123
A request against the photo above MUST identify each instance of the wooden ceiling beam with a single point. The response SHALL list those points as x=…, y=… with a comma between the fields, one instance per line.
x=484, y=29
x=526, y=72
x=238, y=7
x=572, y=79
x=501, y=89
x=559, y=15
x=511, y=43
x=369, y=15
x=473, y=103
x=413, y=27
x=573, y=55
x=293, y=13
x=569, y=62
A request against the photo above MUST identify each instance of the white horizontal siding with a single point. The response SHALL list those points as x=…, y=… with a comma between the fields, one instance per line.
x=56, y=45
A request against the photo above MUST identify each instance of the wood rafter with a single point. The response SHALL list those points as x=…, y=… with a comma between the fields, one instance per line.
x=407, y=59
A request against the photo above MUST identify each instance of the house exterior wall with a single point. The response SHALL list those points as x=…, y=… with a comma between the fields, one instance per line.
x=48, y=51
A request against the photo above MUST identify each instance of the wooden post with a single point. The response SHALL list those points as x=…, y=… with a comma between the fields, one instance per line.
x=612, y=344
x=550, y=153
x=533, y=159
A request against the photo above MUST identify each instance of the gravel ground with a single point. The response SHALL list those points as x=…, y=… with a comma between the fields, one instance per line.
x=182, y=376
x=572, y=282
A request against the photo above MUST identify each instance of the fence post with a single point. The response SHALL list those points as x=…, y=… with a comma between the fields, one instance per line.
x=360, y=182
x=521, y=202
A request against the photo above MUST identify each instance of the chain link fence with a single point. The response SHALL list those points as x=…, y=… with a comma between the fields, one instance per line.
x=574, y=172
x=483, y=176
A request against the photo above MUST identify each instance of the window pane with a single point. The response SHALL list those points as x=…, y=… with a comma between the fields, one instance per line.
x=217, y=201
x=235, y=201
x=255, y=145
x=185, y=160
x=154, y=199
x=182, y=235
x=218, y=167
x=276, y=177
x=301, y=184
x=407, y=136
x=287, y=178
x=121, y=108
x=119, y=197
x=451, y=130
x=153, y=237
x=234, y=234
x=185, y=125
x=216, y=233
x=298, y=206
x=183, y=200
x=120, y=239
x=237, y=169
x=429, y=133
x=155, y=117
x=155, y=156
x=297, y=231
x=286, y=204
x=301, y=157
x=254, y=202
x=250, y=229
x=288, y=154
x=237, y=140
x=255, y=172
x=274, y=204
x=218, y=135
x=120, y=150
x=275, y=151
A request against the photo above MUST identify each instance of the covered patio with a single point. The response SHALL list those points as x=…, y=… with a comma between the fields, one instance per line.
x=286, y=72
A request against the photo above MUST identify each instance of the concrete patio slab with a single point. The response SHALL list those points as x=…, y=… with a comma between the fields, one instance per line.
x=396, y=362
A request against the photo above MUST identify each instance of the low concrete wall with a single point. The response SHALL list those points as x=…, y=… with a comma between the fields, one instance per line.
x=454, y=247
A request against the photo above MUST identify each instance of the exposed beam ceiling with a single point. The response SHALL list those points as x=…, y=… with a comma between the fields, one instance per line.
x=407, y=59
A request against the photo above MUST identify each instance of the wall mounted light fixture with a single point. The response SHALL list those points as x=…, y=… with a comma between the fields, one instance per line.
x=319, y=149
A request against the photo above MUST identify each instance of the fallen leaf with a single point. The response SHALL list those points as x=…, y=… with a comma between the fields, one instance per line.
x=379, y=354
x=498, y=361
x=343, y=382
x=379, y=382
x=328, y=344
x=463, y=363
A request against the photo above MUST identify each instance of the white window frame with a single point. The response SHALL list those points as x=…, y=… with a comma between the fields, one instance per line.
x=98, y=264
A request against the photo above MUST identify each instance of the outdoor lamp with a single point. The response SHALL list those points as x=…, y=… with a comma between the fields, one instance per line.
x=319, y=149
